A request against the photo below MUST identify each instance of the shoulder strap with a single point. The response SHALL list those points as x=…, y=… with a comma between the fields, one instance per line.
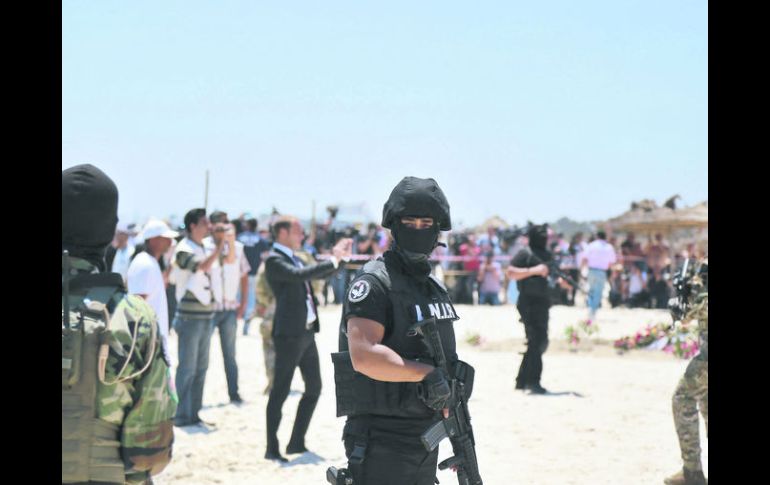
x=438, y=283
x=104, y=350
x=377, y=268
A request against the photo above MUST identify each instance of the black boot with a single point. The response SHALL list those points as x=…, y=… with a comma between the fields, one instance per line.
x=686, y=477
x=537, y=389
x=694, y=477
x=275, y=455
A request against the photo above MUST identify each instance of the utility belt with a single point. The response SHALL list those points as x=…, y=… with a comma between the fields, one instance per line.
x=358, y=428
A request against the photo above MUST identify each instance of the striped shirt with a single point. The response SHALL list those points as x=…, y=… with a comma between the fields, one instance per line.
x=189, y=307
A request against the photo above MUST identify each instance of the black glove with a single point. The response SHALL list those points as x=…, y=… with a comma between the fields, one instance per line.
x=434, y=390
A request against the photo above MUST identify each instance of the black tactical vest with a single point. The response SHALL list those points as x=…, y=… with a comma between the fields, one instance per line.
x=411, y=301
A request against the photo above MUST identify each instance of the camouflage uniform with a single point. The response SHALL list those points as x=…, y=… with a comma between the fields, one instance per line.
x=135, y=416
x=266, y=298
x=692, y=392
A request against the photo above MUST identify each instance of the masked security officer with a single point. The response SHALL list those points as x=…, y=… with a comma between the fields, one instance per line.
x=378, y=367
x=529, y=269
x=117, y=407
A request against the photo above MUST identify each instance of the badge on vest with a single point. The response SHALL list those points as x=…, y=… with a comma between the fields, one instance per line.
x=442, y=311
x=359, y=291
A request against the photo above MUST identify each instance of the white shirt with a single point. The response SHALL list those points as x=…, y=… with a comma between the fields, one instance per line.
x=226, y=277
x=600, y=255
x=636, y=283
x=145, y=278
x=122, y=260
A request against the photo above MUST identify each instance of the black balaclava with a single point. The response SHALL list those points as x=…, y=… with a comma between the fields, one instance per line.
x=538, y=238
x=414, y=246
x=421, y=241
x=89, y=212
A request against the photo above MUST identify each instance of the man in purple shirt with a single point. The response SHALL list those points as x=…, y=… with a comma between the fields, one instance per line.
x=598, y=256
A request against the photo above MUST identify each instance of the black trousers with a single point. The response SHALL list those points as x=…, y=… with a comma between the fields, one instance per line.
x=534, y=315
x=290, y=353
x=393, y=458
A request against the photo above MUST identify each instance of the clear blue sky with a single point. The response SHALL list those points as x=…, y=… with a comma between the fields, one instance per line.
x=529, y=110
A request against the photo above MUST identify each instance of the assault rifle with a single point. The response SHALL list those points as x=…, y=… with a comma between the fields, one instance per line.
x=555, y=272
x=680, y=304
x=457, y=427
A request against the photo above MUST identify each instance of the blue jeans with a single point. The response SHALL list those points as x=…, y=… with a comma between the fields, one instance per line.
x=194, y=340
x=339, y=284
x=513, y=293
x=596, y=280
x=490, y=297
x=228, y=328
x=251, y=302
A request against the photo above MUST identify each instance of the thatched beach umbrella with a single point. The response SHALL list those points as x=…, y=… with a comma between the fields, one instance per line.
x=650, y=219
x=494, y=221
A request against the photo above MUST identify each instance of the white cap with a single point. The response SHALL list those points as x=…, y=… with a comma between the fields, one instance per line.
x=155, y=228
x=123, y=227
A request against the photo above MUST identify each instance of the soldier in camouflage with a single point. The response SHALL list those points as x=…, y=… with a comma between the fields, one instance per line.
x=266, y=309
x=692, y=392
x=117, y=407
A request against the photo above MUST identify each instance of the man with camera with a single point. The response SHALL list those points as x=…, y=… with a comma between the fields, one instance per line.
x=229, y=274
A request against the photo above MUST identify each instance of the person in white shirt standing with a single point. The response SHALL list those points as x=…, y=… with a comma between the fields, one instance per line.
x=229, y=272
x=145, y=277
x=598, y=256
x=119, y=255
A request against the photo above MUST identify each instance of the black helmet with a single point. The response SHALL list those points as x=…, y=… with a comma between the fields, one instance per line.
x=417, y=197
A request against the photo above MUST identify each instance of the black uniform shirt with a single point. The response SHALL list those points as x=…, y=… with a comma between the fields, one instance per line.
x=533, y=286
x=367, y=298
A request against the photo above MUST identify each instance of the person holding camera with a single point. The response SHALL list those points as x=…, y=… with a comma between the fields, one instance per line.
x=229, y=274
x=193, y=260
x=490, y=274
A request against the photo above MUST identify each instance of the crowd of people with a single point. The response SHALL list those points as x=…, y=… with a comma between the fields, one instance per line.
x=471, y=263
x=158, y=263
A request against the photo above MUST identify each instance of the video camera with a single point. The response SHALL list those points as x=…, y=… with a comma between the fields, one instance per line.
x=509, y=236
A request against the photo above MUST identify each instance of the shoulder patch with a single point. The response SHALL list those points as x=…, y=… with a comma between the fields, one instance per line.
x=359, y=290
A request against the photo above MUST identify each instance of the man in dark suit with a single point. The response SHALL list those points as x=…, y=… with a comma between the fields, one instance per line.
x=294, y=324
